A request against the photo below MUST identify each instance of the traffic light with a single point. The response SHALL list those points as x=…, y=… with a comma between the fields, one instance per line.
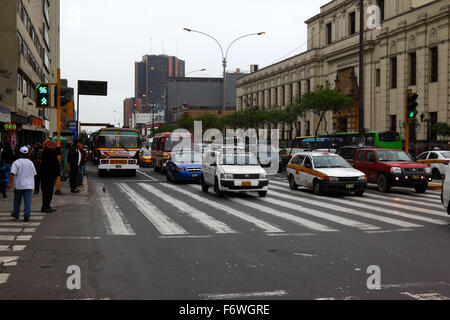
x=43, y=95
x=66, y=95
x=412, y=105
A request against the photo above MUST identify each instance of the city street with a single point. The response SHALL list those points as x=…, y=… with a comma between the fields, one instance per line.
x=144, y=238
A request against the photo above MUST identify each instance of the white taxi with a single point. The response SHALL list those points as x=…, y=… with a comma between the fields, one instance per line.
x=438, y=161
x=324, y=172
x=230, y=171
x=445, y=192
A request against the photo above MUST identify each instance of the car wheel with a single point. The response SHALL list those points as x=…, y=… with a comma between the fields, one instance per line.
x=101, y=173
x=292, y=183
x=316, y=188
x=262, y=194
x=205, y=187
x=217, y=190
x=133, y=173
x=436, y=174
x=422, y=188
x=359, y=193
x=383, y=184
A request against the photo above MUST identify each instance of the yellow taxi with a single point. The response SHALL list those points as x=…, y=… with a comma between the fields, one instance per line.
x=323, y=171
x=146, y=158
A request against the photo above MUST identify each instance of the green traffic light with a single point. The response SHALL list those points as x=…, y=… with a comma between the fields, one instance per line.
x=413, y=114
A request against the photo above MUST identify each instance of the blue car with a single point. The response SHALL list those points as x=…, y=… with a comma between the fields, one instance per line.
x=184, y=166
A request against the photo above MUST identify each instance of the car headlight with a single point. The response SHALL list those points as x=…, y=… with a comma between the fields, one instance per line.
x=396, y=170
x=428, y=170
x=334, y=179
x=226, y=176
x=262, y=176
x=362, y=178
x=180, y=169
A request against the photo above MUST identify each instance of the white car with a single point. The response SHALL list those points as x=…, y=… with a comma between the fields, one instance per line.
x=445, y=193
x=438, y=161
x=231, y=171
x=323, y=171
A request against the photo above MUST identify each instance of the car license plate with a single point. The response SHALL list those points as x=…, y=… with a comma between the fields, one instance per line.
x=350, y=186
x=118, y=167
x=416, y=177
x=194, y=175
x=246, y=184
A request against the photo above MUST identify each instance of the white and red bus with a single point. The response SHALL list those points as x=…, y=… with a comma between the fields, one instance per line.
x=162, y=146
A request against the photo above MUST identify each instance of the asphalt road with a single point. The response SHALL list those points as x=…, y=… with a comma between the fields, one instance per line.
x=144, y=238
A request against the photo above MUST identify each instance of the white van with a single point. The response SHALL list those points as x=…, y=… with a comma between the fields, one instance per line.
x=445, y=193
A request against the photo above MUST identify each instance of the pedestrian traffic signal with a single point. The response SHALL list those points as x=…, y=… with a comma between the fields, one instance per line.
x=43, y=95
x=412, y=105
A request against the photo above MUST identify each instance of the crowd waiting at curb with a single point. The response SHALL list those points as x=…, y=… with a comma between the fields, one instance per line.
x=37, y=168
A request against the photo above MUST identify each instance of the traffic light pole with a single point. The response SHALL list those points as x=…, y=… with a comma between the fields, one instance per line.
x=58, y=126
x=407, y=93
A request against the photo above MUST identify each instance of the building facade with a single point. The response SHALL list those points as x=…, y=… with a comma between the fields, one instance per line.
x=130, y=107
x=406, y=47
x=151, y=77
x=30, y=54
x=194, y=97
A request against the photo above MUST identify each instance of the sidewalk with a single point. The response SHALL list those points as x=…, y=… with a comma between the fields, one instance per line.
x=6, y=205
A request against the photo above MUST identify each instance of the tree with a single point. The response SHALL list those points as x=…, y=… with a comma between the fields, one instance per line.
x=186, y=123
x=322, y=100
x=441, y=129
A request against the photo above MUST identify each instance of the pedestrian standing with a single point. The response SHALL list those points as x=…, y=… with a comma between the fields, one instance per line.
x=22, y=178
x=4, y=178
x=74, y=161
x=16, y=152
x=8, y=157
x=50, y=170
x=82, y=165
x=36, y=158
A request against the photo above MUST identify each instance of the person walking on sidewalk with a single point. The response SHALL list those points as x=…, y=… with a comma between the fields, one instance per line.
x=50, y=171
x=82, y=165
x=22, y=178
x=36, y=158
x=4, y=179
x=75, y=161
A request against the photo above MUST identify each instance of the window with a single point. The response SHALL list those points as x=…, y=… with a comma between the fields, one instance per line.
x=394, y=73
x=394, y=123
x=412, y=68
x=299, y=133
x=352, y=20
x=24, y=87
x=360, y=156
x=433, y=156
x=423, y=156
x=380, y=4
x=378, y=77
x=46, y=12
x=308, y=85
x=329, y=33
x=299, y=94
x=434, y=64
x=19, y=82
x=370, y=156
x=308, y=163
x=46, y=36
x=292, y=94
x=308, y=128
x=298, y=160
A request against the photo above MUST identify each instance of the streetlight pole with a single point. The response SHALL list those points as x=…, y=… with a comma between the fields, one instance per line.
x=225, y=61
x=361, y=71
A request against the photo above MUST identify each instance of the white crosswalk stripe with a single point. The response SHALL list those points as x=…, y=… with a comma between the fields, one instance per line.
x=212, y=224
x=39, y=218
x=115, y=221
x=4, y=278
x=164, y=224
x=267, y=227
x=395, y=212
x=13, y=248
x=8, y=261
x=401, y=199
x=328, y=205
x=17, y=230
x=18, y=224
x=14, y=238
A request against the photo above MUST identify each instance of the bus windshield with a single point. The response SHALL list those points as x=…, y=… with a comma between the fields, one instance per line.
x=119, y=142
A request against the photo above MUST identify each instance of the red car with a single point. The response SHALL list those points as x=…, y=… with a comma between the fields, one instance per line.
x=389, y=168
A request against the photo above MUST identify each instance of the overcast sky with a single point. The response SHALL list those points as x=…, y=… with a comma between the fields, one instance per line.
x=101, y=40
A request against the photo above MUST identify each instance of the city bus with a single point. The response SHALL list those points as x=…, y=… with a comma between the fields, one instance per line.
x=162, y=147
x=383, y=140
x=116, y=150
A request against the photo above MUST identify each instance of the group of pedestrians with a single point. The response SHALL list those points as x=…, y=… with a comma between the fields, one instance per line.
x=33, y=168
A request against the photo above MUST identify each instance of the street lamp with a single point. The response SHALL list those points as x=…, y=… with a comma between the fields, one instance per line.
x=225, y=59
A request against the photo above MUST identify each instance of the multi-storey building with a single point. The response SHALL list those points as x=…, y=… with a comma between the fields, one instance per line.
x=409, y=49
x=30, y=49
x=130, y=107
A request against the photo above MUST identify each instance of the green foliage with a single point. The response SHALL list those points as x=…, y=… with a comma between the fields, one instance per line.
x=442, y=129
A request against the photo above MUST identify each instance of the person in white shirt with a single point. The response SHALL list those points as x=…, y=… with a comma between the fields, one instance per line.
x=22, y=178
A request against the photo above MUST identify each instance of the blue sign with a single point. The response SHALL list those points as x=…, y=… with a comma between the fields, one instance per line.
x=72, y=126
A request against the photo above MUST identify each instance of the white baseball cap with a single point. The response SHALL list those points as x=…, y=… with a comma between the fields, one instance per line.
x=24, y=150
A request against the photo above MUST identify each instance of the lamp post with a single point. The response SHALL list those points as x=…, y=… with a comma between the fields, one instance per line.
x=225, y=60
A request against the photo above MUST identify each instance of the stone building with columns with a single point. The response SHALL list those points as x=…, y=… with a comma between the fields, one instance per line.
x=406, y=47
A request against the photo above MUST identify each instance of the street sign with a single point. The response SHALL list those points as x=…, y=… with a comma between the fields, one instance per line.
x=92, y=88
x=72, y=126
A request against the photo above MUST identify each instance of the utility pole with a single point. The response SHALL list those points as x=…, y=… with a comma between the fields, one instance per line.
x=58, y=125
x=361, y=71
x=407, y=93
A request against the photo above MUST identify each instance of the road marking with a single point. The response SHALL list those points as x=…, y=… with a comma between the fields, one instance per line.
x=319, y=214
x=413, y=285
x=15, y=238
x=12, y=219
x=165, y=225
x=74, y=238
x=287, y=216
x=115, y=221
x=291, y=234
x=13, y=248
x=426, y=296
x=146, y=175
x=376, y=209
x=246, y=295
x=4, y=278
x=184, y=237
x=390, y=231
x=8, y=261
x=401, y=199
x=267, y=227
x=19, y=224
x=199, y=216
x=17, y=230
x=327, y=205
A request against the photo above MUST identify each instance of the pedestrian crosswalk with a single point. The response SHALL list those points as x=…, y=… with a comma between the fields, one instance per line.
x=171, y=211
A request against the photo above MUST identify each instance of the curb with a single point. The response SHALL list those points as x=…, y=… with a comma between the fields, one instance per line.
x=435, y=187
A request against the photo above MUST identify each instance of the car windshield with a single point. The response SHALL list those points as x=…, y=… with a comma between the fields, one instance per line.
x=330, y=162
x=446, y=154
x=190, y=157
x=238, y=159
x=393, y=155
x=147, y=154
x=128, y=142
